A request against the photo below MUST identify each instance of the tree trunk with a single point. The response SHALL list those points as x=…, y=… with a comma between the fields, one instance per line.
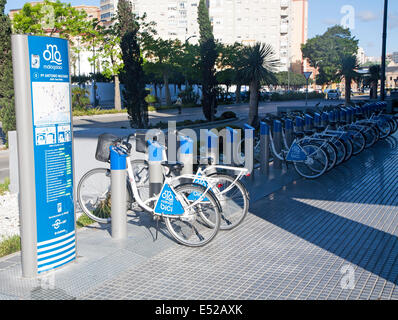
x=374, y=90
x=118, y=102
x=347, y=90
x=166, y=88
x=237, y=93
x=155, y=88
x=253, y=107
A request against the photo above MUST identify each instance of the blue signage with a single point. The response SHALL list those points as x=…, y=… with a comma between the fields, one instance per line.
x=52, y=132
x=296, y=153
x=168, y=204
x=194, y=196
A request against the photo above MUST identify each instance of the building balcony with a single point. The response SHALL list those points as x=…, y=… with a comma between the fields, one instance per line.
x=284, y=3
x=284, y=28
x=284, y=12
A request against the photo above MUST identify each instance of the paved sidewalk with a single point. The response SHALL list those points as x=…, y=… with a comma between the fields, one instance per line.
x=332, y=238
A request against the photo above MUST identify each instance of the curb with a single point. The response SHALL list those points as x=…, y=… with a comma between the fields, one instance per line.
x=209, y=123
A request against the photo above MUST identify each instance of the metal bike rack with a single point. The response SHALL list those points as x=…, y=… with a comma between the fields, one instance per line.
x=185, y=154
x=232, y=145
x=277, y=135
x=212, y=147
x=249, y=148
x=118, y=194
x=309, y=122
x=324, y=119
x=289, y=131
x=299, y=124
x=155, y=158
x=264, y=148
x=317, y=120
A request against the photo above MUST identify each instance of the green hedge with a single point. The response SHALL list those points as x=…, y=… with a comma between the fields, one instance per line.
x=296, y=96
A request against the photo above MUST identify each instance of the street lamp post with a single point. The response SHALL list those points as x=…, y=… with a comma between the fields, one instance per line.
x=307, y=76
x=186, y=44
x=383, y=53
x=94, y=89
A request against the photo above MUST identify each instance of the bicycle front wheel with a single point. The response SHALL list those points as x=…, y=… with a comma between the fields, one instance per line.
x=201, y=224
x=316, y=163
x=94, y=195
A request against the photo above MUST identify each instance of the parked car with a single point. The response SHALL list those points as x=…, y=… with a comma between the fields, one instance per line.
x=333, y=94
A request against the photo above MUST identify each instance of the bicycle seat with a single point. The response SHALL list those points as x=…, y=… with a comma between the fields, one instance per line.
x=177, y=166
x=308, y=132
x=299, y=134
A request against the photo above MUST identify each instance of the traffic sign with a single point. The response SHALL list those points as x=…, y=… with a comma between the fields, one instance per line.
x=307, y=75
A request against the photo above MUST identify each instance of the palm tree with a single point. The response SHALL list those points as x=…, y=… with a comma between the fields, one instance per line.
x=372, y=80
x=348, y=66
x=257, y=66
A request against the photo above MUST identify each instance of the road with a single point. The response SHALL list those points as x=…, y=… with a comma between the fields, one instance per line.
x=120, y=121
x=88, y=128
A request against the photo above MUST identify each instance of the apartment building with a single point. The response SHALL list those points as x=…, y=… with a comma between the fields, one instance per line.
x=281, y=23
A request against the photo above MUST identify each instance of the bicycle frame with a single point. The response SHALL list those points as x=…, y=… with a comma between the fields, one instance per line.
x=197, y=176
x=281, y=156
x=168, y=181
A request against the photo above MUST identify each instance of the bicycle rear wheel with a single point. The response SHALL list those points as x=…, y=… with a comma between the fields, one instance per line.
x=94, y=195
x=233, y=198
x=371, y=136
x=358, y=141
x=202, y=223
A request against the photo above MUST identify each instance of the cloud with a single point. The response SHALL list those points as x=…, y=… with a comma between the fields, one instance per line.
x=392, y=21
x=367, y=16
x=330, y=21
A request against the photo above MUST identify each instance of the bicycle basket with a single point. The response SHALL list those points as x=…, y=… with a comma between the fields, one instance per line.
x=104, y=142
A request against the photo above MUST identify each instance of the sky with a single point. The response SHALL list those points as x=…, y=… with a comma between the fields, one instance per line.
x=364, y=17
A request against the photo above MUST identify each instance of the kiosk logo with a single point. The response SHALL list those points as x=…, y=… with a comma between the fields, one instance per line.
x=52, y=54
x=58, y=223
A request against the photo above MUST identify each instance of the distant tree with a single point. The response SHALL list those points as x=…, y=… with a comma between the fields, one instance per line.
x=7, y=111
x=163, y=53
x=296, y=79
x=153, y=77
x=107, y=42
x=188, y=63
x=134, y=76
x=325, y=52
x=208, y=57
x=230, y=61
x=372, y=79
x=258, y=66
x=349, y=64
x=50, y=18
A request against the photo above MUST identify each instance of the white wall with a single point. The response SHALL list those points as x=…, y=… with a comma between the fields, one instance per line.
x=106, y=92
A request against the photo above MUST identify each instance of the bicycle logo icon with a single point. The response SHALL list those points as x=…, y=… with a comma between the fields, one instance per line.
x=52, y=54
x=167, y=196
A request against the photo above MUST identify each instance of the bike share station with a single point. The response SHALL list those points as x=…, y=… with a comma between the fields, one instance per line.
x=46, y=169
x=46, y=163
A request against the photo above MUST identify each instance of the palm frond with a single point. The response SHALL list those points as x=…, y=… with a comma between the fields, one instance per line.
x=258, y=63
